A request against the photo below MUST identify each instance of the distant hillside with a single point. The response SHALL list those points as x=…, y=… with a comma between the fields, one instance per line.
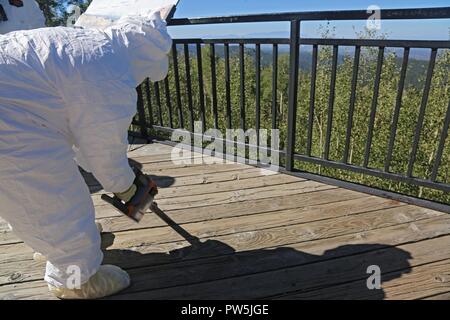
x=417, y=67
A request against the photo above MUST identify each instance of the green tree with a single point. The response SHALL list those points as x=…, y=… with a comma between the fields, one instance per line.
x=55, y=11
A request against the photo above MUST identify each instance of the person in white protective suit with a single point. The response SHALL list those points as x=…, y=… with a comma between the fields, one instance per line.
x=65, y=89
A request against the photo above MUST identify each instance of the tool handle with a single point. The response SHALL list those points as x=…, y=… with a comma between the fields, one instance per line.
x=115, y=202
x=194, y=241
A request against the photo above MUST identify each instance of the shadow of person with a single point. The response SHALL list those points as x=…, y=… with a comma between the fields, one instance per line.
x=212, y=269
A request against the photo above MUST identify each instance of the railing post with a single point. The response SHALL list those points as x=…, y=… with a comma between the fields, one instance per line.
x=148, y=96
x=293, y=91
x=141, y=112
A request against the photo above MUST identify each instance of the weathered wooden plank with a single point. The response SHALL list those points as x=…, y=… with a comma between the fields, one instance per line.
x=12, y=272
x=250, y=227
x=190, y=180
x=267, y=220
x=198, y=160
x=257, y=235
x=254, y=234
x=390, y=236
x=305, y=202
x=263, y=220
x=245, y=207
x=201, y=178
x=226, y=186
x=242, y=195
x=440, y=296
x=181, y=215
x=405, y=284
x=255, y=193
x=15, y=253
x=185, y=171
x=34, y=290
x=165, y=234
x=137, y=150
x=255, y=181
x=165, y=159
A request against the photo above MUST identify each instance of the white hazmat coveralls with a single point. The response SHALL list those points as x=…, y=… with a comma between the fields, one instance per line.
x=62, y=88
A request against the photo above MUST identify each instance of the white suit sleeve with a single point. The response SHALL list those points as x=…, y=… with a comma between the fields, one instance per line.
x=102, y=101
x=99, y=119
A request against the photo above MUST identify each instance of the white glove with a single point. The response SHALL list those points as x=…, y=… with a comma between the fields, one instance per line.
x=127, y=195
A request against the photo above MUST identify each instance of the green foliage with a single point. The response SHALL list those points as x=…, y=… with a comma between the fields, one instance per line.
x=412, y=97
x=55, y=11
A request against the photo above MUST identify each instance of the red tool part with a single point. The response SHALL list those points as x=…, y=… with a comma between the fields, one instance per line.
x=141, y=202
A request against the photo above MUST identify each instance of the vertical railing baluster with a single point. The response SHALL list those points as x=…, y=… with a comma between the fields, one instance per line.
x=141, y=112
x=441, y=146
x=177, y=85
x=293, y=92
x=242, y=85
x=148, y=95
x=331, y=102
x=228, y=84
x=214, y=84
x=398, y=105
x=312, y=98
x=158, y=103
x=351, y=110
x=189, y=86
x=426, y=92
x=201, y=86
x=373, y=110
x=168, y=102
x=258, y=92
x=274, y=86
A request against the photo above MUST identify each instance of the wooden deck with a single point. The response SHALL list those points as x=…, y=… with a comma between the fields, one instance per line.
x=260, y=235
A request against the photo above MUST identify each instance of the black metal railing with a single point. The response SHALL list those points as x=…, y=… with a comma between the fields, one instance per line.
x=175, y=106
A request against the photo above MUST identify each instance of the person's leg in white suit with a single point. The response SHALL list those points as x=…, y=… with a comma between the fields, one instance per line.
x=48, y=204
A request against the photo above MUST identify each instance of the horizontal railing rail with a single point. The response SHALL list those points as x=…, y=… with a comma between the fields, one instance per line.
x=387, y=14
x=429, y=44
x=184, y=98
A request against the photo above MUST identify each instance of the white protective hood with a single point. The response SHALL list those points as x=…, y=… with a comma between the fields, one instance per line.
x=27, y=17
x=103, y=13
x=146, y=42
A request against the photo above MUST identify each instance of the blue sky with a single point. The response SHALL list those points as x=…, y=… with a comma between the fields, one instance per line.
x=427, y=29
